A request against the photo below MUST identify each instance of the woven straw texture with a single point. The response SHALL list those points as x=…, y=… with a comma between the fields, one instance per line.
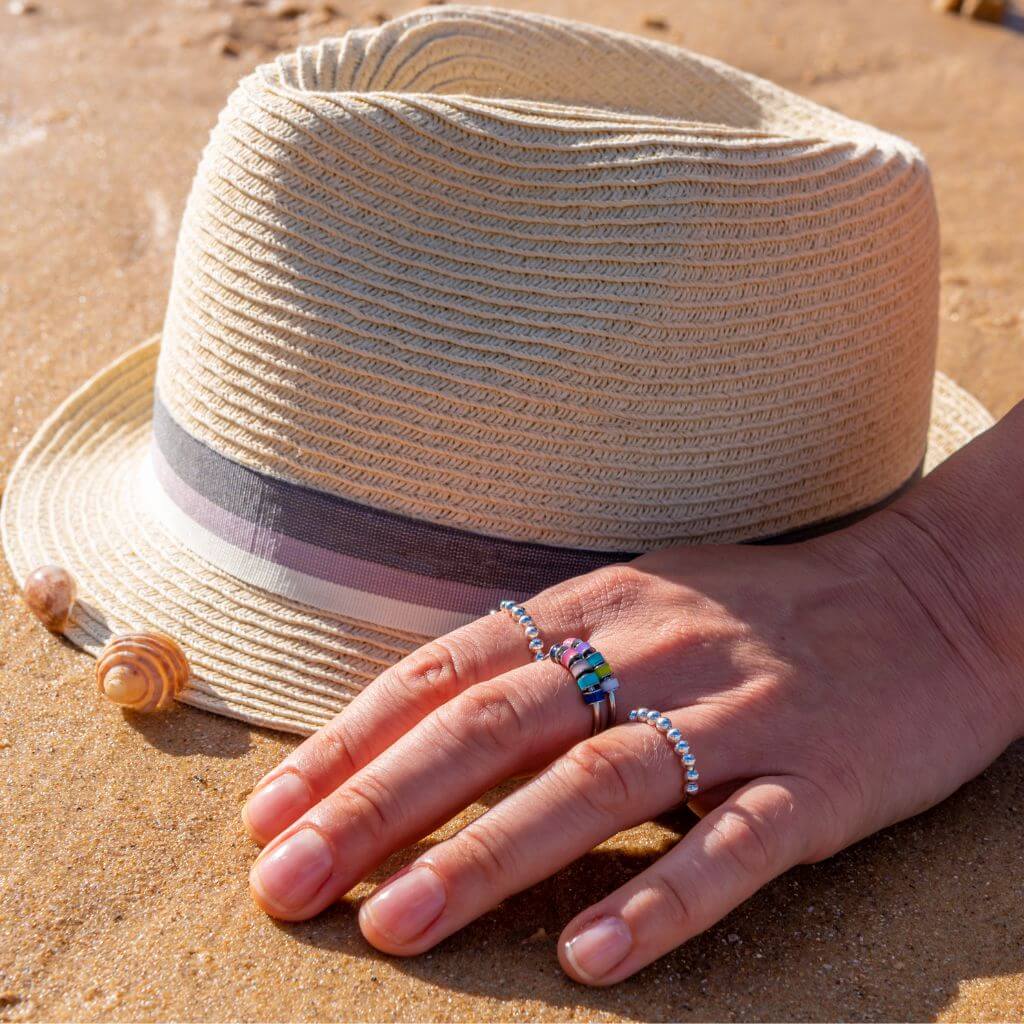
x=443, y=266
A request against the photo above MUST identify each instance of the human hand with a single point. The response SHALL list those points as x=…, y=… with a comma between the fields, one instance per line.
x=827, y=688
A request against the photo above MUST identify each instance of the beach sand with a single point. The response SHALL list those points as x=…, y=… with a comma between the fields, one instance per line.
x=123, y=864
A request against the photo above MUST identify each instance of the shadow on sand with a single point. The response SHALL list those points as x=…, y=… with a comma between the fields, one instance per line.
x=184, y=731
x=869, y=934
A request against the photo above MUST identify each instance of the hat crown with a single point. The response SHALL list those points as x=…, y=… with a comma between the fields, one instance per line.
x=545, y=282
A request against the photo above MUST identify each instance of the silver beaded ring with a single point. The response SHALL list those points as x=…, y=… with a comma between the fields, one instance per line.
x=523, y=617
x=664, y=724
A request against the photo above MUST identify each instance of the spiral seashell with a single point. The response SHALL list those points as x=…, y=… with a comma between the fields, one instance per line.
x=142, y=671
x=50, y=593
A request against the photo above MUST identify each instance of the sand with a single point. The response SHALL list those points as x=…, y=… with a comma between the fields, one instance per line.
x=122, y=861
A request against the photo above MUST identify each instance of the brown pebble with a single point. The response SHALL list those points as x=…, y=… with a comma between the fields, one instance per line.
x=984, y=10
x=50, y=593
x=224, y=46
x=314, y=19
x=286, y=9
x=947, y=6
x=51, y=115
x=658, y=24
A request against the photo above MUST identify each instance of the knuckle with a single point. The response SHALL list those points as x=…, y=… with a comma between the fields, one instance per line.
x=489, y=852
x=599, y=598
x=485, y=718
x=331, y=751
x=832, y=780
x=819, y=805
x=365, y=805
x=430, y=675
x=676, y=900
x=605, y=774
x=615, y=587
x=749, y=841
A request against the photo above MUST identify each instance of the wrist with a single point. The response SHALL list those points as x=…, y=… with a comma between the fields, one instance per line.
x=956, y=543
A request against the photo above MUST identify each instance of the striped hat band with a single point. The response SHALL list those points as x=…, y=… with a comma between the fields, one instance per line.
x=337, y=555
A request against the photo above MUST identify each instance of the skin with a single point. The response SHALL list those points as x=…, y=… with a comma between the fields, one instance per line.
x=827, y=688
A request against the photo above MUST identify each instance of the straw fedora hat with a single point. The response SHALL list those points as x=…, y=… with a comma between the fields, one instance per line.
x=470, y=303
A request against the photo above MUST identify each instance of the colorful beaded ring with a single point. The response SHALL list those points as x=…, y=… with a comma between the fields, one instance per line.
x=664, y=724
x=520, y=615
x=593, y=676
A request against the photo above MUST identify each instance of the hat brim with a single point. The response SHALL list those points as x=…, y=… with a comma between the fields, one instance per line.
x=73, y=499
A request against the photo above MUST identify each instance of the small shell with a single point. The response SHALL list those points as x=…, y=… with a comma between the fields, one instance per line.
x=142, y=671
x=50, y=593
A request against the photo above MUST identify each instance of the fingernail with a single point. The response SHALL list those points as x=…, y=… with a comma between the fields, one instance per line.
x=406, y=907
x=291, y=874
x=599, y=948
x=276, y=805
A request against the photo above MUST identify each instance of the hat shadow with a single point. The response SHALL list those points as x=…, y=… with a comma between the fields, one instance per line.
x=870, y=933
x=183, y=732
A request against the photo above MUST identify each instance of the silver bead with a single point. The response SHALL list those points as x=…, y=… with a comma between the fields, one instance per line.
x=692, y=787
x=682, y=747
x=689, y=759
x=532, y=631
x=673, y=735
x=536, y=644
x=641, y=713
x=692, y=775
x=632, y=715
x=663, y=724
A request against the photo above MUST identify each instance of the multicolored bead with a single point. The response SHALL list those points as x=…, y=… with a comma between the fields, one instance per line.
x=592, y=674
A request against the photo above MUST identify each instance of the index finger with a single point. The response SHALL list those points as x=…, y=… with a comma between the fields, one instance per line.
x=390, y=706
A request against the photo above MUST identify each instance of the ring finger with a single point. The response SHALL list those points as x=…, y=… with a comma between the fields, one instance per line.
x=601, y=786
